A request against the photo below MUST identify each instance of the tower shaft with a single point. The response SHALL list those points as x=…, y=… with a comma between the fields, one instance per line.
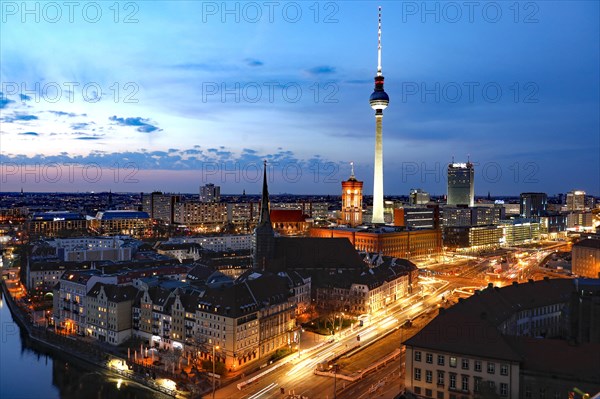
x=378, y=172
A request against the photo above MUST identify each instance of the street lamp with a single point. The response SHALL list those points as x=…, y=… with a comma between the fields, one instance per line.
x=335, y=369
x=215, y=347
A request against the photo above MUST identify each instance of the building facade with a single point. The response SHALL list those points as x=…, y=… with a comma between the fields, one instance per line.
x=533, y=204
x=388, y=241
x=210, y=193
x=585, y=258
x=204, y=216
x=461, y=184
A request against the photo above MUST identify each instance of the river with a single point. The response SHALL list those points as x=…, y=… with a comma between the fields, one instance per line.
x=30, y=372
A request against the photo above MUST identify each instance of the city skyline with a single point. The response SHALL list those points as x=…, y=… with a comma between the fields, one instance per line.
x=160, y=89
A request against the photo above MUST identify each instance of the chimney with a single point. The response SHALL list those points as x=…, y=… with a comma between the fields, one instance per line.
x=530, y=281
x=515, y=283
x=490, y=285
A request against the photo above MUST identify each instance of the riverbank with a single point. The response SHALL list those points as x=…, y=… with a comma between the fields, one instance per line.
x=74, y=350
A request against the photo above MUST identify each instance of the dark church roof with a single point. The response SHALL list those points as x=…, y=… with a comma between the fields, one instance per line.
x=316, y=253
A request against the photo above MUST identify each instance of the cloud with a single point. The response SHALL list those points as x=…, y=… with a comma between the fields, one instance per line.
x=253, y=62
x=61, y=113
x=142, y=124
x=321, y=70
x=80, y=126
x=29, y=134
x=88, y=138
x=20, y=117
x=4, y=101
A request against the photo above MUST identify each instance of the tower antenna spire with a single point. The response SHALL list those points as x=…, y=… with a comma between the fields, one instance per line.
x=352, y=166
x=379, y=45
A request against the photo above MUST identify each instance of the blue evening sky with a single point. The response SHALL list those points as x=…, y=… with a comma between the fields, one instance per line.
x=137, y=96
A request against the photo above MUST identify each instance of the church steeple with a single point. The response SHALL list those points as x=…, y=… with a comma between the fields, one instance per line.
x=264, y=250
x=265, y=217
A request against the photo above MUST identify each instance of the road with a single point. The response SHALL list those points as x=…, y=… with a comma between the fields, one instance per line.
x=296, y=376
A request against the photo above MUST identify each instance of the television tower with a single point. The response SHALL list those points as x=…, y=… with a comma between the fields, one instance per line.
x=379, y=101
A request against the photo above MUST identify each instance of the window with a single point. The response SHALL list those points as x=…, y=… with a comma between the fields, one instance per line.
x=477, y=365
x=440, y=395
x=452, y=361
x=465, y=364
x=452, y=381
x=428, y=376
x=491, y=368
x=465, y=382
x=417, y=374
x=428, y=358
x=440, y=378
x=504, y=369
x=492, y=386
x=503, y=389
x=441, y=360
x=476, y=384
x=428, y=393
x=417, y=356
x=418, y=390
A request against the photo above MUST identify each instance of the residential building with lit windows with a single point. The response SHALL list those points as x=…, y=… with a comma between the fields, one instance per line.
x=366, y=291
x=160, y=206
x=108, y=312
x=204, y=216
x=134, y=223
x=210, y=193
x=69, y=298
x=575, y=200
x=243, y=215
x=219, y=243
x=498, y=343
x=247, y=319
x=585, y=258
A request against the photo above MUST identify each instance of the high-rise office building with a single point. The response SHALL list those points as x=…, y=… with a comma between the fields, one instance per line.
x=533, y=204
x=210, y=193
x=160, y=206
x=352, y=201
x=461, y=184
x=379, y=101
x=576, y=200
